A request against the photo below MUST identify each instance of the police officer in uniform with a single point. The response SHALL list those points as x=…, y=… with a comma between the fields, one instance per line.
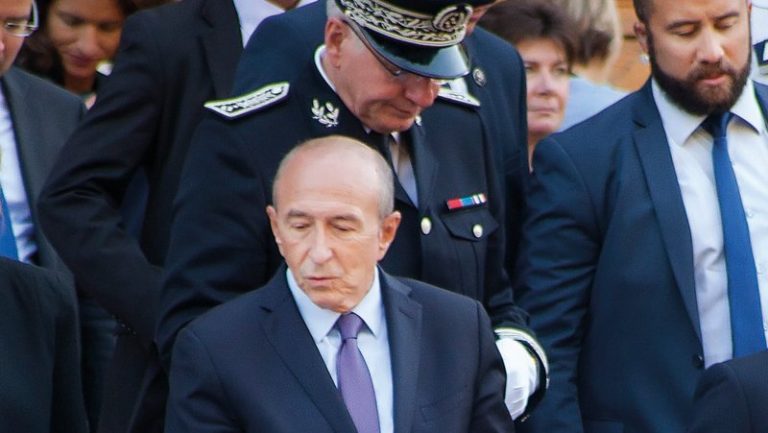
x=381, y=64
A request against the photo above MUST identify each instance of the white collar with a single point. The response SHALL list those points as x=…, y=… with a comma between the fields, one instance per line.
x=321, y=321
x=680, y=124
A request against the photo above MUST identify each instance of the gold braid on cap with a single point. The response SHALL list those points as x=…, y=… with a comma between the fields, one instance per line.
x=445, y=29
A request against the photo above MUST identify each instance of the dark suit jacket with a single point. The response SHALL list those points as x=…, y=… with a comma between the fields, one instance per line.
x=251, y=365
x=43, y=116
x=609, y=278
x=171, y=60
x=732, y=397
x=40, y=386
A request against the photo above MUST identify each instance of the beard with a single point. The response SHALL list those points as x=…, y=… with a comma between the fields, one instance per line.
x=701, y=101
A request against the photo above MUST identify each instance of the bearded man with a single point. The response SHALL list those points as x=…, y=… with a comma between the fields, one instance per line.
x=646, y=242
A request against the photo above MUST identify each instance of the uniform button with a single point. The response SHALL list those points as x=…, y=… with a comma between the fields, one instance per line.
x=761, y=269
x=749, y=213
x=698, y=361
x=426, y=225
x=477, y=230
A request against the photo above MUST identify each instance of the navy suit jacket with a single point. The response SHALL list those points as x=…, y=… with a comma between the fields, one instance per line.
x=609, y=277
x=251, y=365
x=732, y=397
x=40, y=385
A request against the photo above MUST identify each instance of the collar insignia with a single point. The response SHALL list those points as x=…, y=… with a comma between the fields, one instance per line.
x=240, y=105
x=459, y=97
x=326, y=114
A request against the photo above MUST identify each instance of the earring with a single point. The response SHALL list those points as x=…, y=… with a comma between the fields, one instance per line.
x=644, y=59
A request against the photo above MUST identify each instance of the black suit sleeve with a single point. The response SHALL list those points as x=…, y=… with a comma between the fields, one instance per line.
x=79, y=206
x=720, y=404
x=68, y=406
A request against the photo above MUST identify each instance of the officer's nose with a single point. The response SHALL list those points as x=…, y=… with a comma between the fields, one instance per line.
x=422, y=91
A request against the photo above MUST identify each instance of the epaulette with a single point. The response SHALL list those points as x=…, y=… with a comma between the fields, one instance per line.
x=460, y=97
x=235, y=107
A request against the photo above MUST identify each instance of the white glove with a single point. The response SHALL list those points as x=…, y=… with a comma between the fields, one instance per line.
x=522, y=374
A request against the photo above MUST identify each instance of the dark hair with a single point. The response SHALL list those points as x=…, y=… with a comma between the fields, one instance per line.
x=642, y=10
x=523, y=20
x=39, y=56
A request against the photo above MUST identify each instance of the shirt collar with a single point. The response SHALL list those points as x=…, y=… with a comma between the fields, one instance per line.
x=680, y=124
x=252, y=12
x=320, y=321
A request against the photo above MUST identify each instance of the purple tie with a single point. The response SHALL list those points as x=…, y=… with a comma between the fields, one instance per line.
x=354, y=378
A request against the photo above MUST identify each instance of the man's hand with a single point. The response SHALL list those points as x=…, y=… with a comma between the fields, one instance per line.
x=522, y=374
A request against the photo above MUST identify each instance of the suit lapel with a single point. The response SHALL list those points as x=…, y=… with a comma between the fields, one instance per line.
x=222, y=42
x=29, y=144
x=404, y=328
x=656, y=160
x=288, y=334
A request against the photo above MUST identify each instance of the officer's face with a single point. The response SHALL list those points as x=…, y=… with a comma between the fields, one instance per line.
x=10, y=44
x=699, y=50
x=382, y=101
x=327, y=225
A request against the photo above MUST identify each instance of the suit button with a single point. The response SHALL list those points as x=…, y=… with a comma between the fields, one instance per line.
x=698, y=361
x=426, y=225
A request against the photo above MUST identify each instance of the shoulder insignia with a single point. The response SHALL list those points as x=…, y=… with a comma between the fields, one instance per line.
x=461, y=98
x=256, y=100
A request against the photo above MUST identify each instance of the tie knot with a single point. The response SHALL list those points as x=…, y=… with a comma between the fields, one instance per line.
x=717, y=124
x=349, y=325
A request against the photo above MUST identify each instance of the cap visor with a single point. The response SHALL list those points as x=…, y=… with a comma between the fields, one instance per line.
x=442, y=63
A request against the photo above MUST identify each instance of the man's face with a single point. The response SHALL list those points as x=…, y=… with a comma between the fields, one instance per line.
x=383, y=102
x=327, y=226
x=10, y=44
x=699, y=51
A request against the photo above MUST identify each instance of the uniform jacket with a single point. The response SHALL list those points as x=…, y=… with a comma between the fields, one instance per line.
x=251, y=365
x=221, y=241
x=171, y=60
x=43, y=116
x=40, y=385
x=609, y=278
x=731, y=397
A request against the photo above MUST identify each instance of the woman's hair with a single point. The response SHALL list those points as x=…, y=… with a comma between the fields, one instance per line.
x=517, y=21
x=39, y=56
x=598, y=25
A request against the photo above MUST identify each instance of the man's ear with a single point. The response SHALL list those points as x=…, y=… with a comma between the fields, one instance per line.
x=388, y=231
x=273, y=223
x=335, y=34
x=641, y=33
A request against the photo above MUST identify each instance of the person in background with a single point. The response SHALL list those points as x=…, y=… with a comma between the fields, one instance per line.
x=645, y=248
x=600, y=39
x=171, y=59
x=77, y=40
x=546, y=40
x=40, y=377
x=731, y=397
x=759, y=20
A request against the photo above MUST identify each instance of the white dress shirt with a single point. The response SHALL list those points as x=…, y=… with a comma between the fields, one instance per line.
x=372, y=340
x=13, y=187
x=691, y=149
x=252, y=12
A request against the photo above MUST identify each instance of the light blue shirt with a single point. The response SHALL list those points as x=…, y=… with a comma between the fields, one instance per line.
x=373, y=341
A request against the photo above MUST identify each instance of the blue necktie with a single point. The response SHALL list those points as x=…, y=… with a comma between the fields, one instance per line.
x=7, y=240
x=743, y=292
x=354, y=378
